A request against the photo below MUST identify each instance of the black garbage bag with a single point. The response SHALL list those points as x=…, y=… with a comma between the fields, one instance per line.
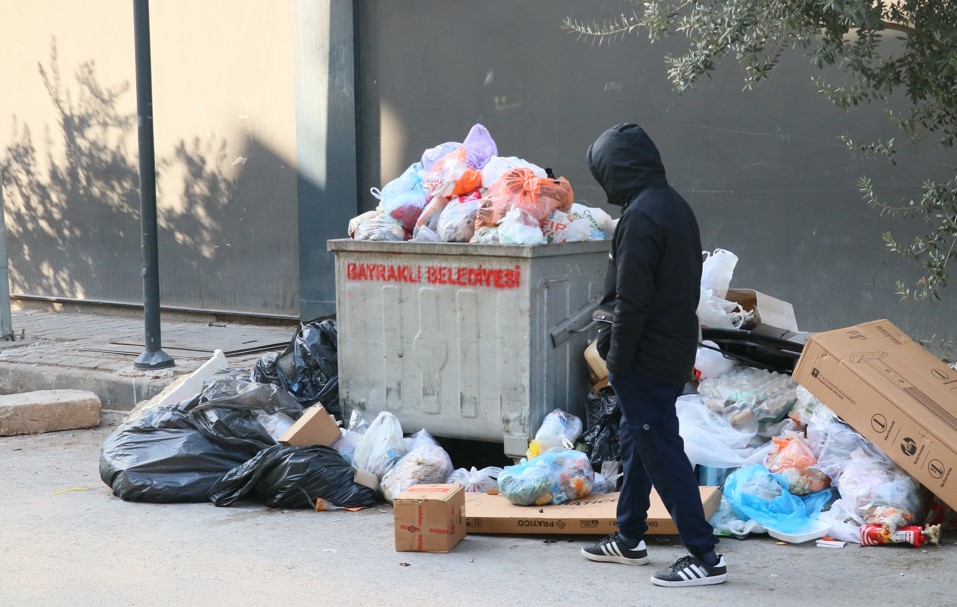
x=231, y=407
x=290, y=477
x=264, y=371
x=176, y=453
x=309, y=366
x=601, y=439
x=163, y=458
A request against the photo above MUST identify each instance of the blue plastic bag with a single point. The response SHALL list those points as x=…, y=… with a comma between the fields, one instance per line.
x=755, y=493
x=554, y=477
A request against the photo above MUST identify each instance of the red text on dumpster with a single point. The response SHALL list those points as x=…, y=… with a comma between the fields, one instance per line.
x=463, y=276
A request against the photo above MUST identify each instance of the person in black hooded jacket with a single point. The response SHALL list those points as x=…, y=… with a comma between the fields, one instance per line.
x=653, y=286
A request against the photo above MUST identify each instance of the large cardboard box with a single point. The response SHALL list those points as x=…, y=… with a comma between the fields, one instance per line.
x=315, y=427
x=429, y=518
x=894, y=392
x=591, y=515
x=772, y=317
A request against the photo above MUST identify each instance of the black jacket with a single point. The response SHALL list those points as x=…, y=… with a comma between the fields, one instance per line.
x=654, y=272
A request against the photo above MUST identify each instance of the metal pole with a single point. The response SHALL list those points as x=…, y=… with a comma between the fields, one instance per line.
x=6, y=324
x=153, y=357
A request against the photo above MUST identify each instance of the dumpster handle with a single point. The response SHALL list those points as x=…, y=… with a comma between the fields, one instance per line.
x=561, y=332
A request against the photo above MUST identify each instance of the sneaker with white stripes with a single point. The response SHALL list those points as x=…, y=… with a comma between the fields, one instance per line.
x=613, y=550
x=691, y=571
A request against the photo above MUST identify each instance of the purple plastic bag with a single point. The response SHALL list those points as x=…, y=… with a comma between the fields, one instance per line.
x=433, y=155
x=479, y=147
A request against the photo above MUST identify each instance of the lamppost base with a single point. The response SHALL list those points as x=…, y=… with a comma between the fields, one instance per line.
x=153, y=360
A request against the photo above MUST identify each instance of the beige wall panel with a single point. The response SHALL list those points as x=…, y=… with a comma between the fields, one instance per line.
x=225, y=129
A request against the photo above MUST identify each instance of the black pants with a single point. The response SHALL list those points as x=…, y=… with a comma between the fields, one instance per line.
x=653, y=454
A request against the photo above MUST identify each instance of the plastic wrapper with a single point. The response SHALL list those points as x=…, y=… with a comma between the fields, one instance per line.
x=717, y=270
x=498, y=166
x=457, y=221
x=718, y=313
x=429, y=219
x=476, y=481
x=845, y=525
x=710, y=363
x=451, y=176
x=485, y=235
x=422, y=438
x=755, y=493
x=521, y=189
x=356, y=221
x=870, y=483
x=803, y=409
x=479, y=148
x=793, y=458
x=381, y=445
x=425, y=234
x=606, y=480
x=518, y=228
x=726, y=523
x=559, y=430
x=404, y=197
x=346, y=444
x=601, y=225
x=428, y=463
x=748, y=396
x=710, y=439
x=559, y=227
x=294, y=477
x=275, y=424
x=434, y=154
x=554, y=477
x=379, y=227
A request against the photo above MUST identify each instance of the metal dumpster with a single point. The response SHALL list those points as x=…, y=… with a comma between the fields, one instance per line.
x=467, y=341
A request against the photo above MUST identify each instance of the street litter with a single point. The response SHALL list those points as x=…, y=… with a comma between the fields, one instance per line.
x=831, y=437
x=464, y=192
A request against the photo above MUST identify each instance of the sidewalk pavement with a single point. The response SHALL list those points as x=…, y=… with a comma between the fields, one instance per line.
x=93, y=348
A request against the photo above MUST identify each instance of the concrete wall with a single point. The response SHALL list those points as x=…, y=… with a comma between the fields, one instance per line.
x=225, y=128
x=764, y=170
x=256, y=117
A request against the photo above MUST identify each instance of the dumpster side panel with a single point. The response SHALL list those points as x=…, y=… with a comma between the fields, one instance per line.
x=459, y=340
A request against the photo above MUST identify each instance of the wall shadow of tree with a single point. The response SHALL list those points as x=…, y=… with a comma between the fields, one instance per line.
x=73, y=215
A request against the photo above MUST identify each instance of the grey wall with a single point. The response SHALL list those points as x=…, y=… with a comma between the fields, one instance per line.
x=764, y=170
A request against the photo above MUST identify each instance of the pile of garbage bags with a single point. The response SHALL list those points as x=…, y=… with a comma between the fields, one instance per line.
x=787, y=464
x=222, y=444
x=466, y=192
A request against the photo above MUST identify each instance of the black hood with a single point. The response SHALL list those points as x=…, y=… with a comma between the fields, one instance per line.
x=625, y=161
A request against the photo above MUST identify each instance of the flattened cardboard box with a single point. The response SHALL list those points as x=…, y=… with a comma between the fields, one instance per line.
x=314, y=427
x=429, y=518
x=591, y=515
x=894, y=392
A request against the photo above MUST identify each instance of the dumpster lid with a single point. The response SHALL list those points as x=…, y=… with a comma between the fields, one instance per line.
x=467, y=249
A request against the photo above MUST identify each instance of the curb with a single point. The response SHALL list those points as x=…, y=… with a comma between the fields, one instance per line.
x=117, y=393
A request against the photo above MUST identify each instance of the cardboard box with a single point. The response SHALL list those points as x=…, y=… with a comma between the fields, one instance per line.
x=315, y=427
x=429, y=518
x=894, y=392
x=773, y=317
x=591, y=515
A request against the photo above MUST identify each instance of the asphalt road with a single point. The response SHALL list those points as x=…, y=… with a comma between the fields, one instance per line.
x=65, y=540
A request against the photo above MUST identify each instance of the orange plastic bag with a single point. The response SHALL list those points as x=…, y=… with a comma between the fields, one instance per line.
x=451, y=176
x=520, y=188
x=793, y=458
